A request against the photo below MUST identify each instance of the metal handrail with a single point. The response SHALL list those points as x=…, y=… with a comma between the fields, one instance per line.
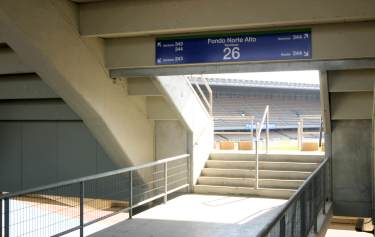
x=300, y=132
x=265, y=120
x=207, y=101
x=295, y=197
x=236, y=118
x=5, y=199
x=92, y=177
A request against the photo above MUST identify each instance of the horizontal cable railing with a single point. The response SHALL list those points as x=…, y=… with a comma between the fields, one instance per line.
x=65, y=207
x=300, y=214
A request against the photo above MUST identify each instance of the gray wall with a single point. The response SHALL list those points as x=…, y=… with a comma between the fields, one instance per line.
x=351, y=162
x=34, y=153
x=351, y=100
x=42, y=140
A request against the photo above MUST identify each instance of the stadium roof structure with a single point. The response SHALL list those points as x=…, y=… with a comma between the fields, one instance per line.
x=255, y=83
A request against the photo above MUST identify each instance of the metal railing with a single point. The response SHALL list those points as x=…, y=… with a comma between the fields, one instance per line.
x=264, y=122
x=300, y=214
x=65, y=207
x=246, y=118
x=207, y=99
x=301, y=133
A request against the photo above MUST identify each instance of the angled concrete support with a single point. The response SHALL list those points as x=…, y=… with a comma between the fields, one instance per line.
x=44, y=34
x=181, y=96
x=159, y=109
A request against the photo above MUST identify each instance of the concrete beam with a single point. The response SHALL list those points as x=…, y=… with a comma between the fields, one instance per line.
x=351, y=80
x=10, y=63
x=140, y=18
x=159, y=109
x=351, y=105
x=329, y=42
x=44, y=36
x=142, y=86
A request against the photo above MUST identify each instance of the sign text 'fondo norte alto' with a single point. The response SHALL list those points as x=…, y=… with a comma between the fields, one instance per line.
x=262, y=46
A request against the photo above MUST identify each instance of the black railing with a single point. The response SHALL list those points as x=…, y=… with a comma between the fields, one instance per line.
x=65, y=207
x=300, y=214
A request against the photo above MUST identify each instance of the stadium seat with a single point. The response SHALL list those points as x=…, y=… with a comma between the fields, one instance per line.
x=226, y=145
x=245, y=145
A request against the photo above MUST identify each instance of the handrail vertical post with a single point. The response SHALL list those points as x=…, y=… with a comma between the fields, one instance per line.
x=189, y=181
x=267, y=130
x=299, y=135
x=252, y=129
x=282, y=231
x=6, y=218
x=315, y=206
x=257, y=158
x=320, y=132
x=301, y=131
x=324, y=190
x=130, y=194
x=81, y=205
x=1, y=217
x=303, y=213
x=209, y=94
x=256, y=165
x=165, y=182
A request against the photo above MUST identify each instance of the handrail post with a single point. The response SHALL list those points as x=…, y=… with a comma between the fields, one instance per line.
x=257, y=158
x=1, y=217
x=267, y=130
x=165, y=182
x=282, y=230
x=324, y=190
x=299, y=135
x=303, y=213
x=320, y=132
x=189, y=180
x=315, y=206
x=209, y=94
x=6, y=217
x=81, y=205
x=130, y=194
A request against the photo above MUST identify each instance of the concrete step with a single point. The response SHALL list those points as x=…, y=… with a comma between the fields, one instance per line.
x=249, y=182
x=233, y=173
x=244, y=191
x=246, y=156
x=264, y=165
x=263, y=174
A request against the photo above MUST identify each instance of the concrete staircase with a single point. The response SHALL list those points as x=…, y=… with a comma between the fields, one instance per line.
x=233, y=173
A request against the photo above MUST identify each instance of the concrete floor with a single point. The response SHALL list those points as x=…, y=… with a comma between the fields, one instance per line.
x=345, y=230
x=196, y=215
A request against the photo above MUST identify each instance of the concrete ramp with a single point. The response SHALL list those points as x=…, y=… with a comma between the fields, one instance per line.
x=200, y=215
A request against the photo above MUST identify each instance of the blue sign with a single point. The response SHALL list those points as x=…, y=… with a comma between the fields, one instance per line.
x=262, y=46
